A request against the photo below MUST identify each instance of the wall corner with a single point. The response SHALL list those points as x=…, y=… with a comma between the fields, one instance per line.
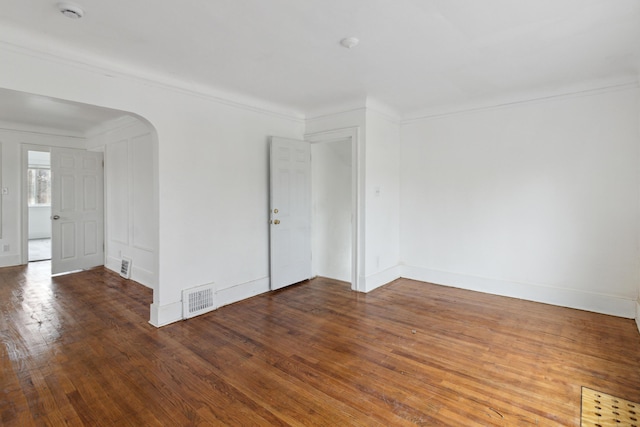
x=381, y=278
x=162, y=315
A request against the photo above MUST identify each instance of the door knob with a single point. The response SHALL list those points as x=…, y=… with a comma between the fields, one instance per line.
x=276, y=221
x=56, y=217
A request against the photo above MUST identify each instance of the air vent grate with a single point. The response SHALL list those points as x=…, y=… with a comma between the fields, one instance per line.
x=125, y=268
x=198, y=300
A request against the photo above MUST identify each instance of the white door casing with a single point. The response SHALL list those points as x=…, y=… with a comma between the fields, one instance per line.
x=77, y=206
x=290, y=211
x=357, y=196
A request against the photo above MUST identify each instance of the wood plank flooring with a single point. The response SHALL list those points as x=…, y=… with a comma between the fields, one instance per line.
x=78, y=350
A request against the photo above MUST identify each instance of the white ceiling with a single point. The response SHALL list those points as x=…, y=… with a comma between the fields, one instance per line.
x=414, y=55
x=54, y=114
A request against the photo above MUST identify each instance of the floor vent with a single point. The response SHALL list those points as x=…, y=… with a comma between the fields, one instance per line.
x=198, y=300
x=604, y=410
x=125, y=268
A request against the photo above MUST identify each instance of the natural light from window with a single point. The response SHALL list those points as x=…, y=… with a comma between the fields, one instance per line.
x=39, y=187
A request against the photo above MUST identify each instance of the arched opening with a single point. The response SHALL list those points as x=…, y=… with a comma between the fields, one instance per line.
x=128, y=145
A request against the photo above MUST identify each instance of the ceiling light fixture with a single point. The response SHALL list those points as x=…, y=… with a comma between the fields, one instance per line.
x=71, y=10
x=349, y=42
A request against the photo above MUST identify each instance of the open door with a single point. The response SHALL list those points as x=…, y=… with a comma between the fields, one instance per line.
x=290, y=211
x=76, y=210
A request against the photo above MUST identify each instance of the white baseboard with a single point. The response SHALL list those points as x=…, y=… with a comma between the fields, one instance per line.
x=10, y=260
x=113, y=264
x=161, y=315
x=140, y=275
x=572, y=298
x=374, y=281
x=638, y=314
x=242, y=291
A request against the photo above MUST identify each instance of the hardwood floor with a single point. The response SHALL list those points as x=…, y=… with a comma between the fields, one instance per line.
x=78, y=350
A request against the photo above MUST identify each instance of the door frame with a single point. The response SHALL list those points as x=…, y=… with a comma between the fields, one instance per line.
x=357, y=192
x=24, y=208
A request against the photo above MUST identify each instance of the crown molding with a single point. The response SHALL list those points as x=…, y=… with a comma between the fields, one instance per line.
x=383, y=109
x=112, y=125
x=89, y=62
x=40, y=130
x=522, y=99
x=95, y=64
x=348, y=106
x=355, y=105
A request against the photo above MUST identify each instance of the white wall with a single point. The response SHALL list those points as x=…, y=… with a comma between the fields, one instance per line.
x=130, y=218
x=379, y=186
x=537, y=201
x=212, y=168
x=12, y=137
x=331, y=209
x=349, y=124
x=382, y=195
x=39, y=222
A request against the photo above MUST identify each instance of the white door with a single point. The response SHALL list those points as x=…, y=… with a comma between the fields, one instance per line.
x=76, y=210
x=290, y=202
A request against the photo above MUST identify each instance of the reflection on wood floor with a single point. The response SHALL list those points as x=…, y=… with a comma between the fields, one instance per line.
x=78, y=350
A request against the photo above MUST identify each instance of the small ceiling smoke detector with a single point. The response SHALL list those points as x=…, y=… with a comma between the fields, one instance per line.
x=349, y=42
x=71, y=10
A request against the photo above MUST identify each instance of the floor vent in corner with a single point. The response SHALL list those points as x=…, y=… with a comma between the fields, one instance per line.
x=125, y=268
x=198, y=300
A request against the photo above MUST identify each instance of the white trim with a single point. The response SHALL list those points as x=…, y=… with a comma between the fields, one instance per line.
x=99, y=65
x=572, y=298
x=155, y=79
x=23, y=200
x=638, y=315
x=357, y=195
x=366, y=104
x=143, y=276
x=162, y=315
x=39, y=130
x=383, y=109
x=120, y=123
x=140, y=275
x=10, y=260
x=336, y=109
x=242, y=291
x=459, y=109
x=382, y=278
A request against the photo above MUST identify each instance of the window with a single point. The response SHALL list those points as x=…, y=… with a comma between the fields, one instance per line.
x=39, y=187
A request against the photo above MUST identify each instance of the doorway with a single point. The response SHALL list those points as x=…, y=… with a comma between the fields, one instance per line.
x=62, y=204
x=38, y=196
x=337, y=208
x=331, y=224
x=350, y=137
